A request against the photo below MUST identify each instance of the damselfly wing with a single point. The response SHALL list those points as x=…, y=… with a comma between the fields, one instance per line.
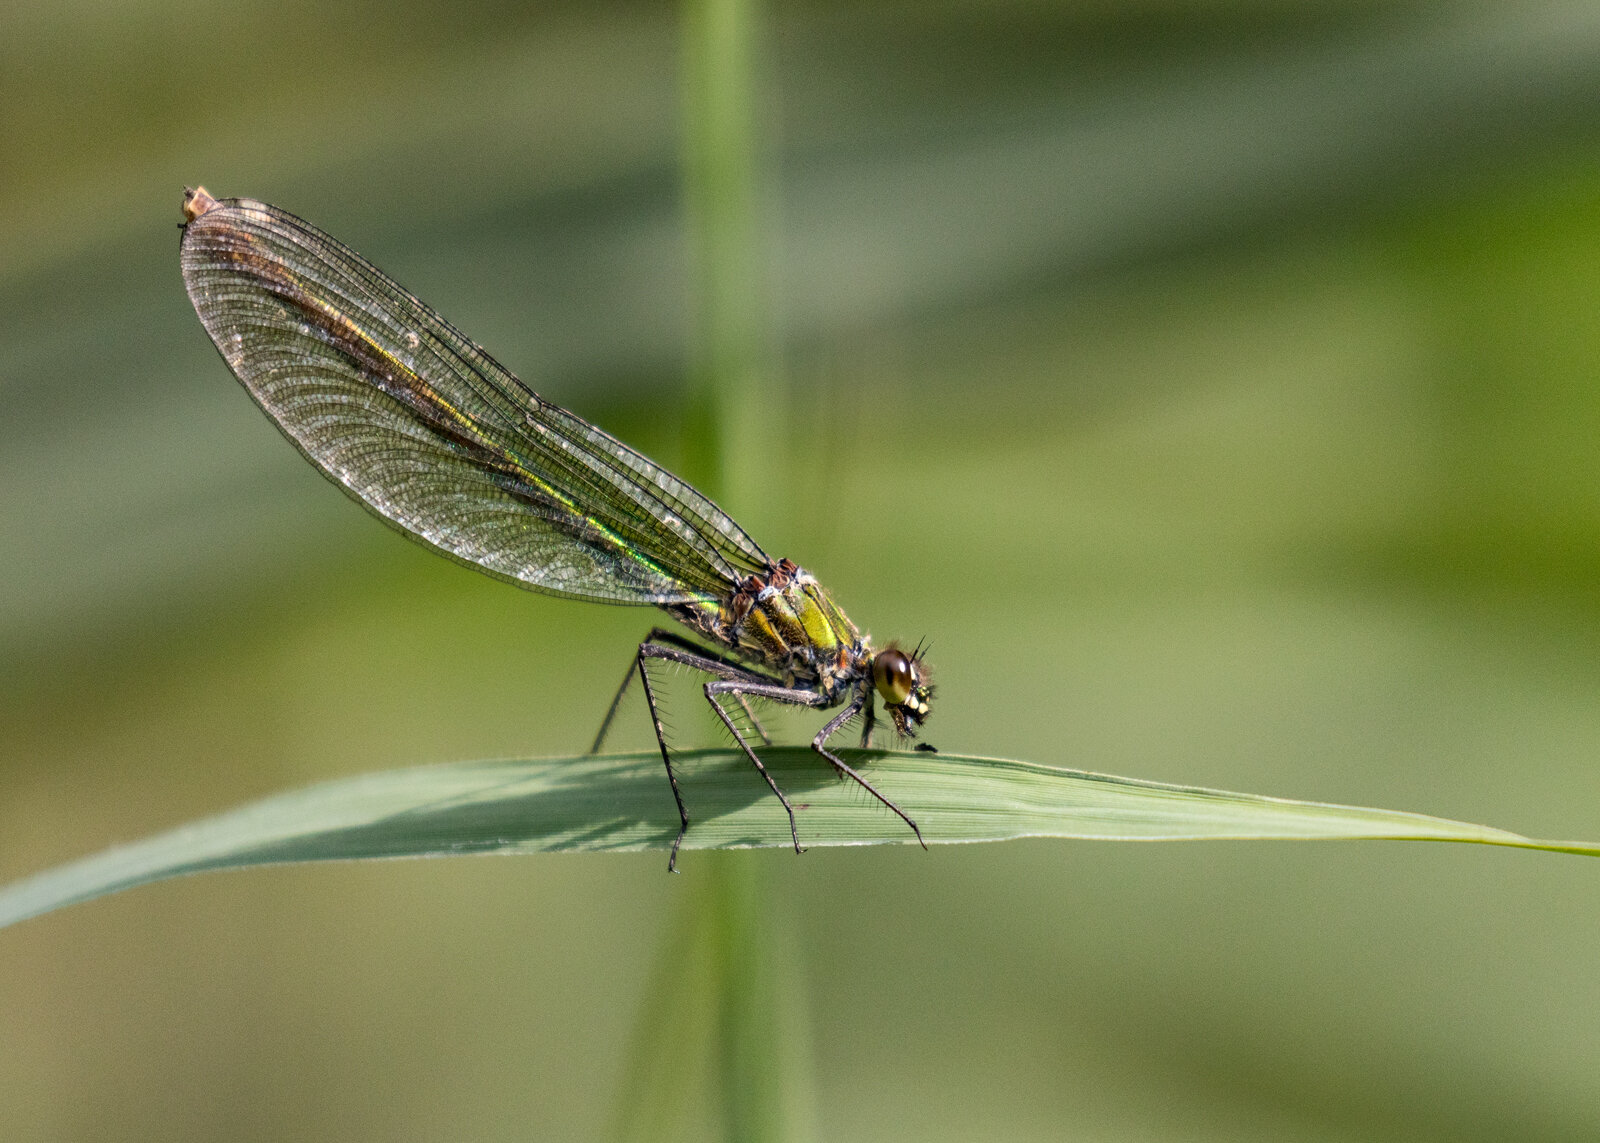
x=426, y=430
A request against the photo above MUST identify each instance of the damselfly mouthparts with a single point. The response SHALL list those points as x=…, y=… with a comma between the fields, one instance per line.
x=427, y=431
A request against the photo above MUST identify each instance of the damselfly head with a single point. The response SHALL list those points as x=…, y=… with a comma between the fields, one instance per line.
x=902, y=682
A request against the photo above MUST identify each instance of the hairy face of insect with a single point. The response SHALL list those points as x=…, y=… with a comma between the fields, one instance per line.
x=902, y=683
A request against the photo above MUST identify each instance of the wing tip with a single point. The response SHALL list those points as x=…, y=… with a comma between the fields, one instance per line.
x=197, y=201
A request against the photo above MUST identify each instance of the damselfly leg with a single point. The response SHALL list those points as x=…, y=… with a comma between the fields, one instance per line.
x=662, y=635
x=775, y=693
x=743, y=684
x=726, y=672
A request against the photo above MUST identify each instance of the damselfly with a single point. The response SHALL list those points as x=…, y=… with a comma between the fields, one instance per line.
x=431, y=434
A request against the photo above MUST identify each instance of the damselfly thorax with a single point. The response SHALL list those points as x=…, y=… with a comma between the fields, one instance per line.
x=785, y=623
x=441, y=442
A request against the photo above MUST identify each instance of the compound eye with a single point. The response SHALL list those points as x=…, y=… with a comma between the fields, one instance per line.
x=892, y=675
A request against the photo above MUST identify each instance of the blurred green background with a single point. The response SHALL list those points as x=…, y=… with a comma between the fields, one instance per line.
x=1216, y=385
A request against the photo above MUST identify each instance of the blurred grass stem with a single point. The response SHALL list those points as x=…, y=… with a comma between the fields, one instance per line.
x=753, y=1042
x=727, y=406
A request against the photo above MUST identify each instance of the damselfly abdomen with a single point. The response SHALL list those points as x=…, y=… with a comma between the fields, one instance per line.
x=426, y=430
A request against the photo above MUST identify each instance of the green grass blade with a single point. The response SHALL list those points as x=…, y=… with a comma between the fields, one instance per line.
x=621, y=802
